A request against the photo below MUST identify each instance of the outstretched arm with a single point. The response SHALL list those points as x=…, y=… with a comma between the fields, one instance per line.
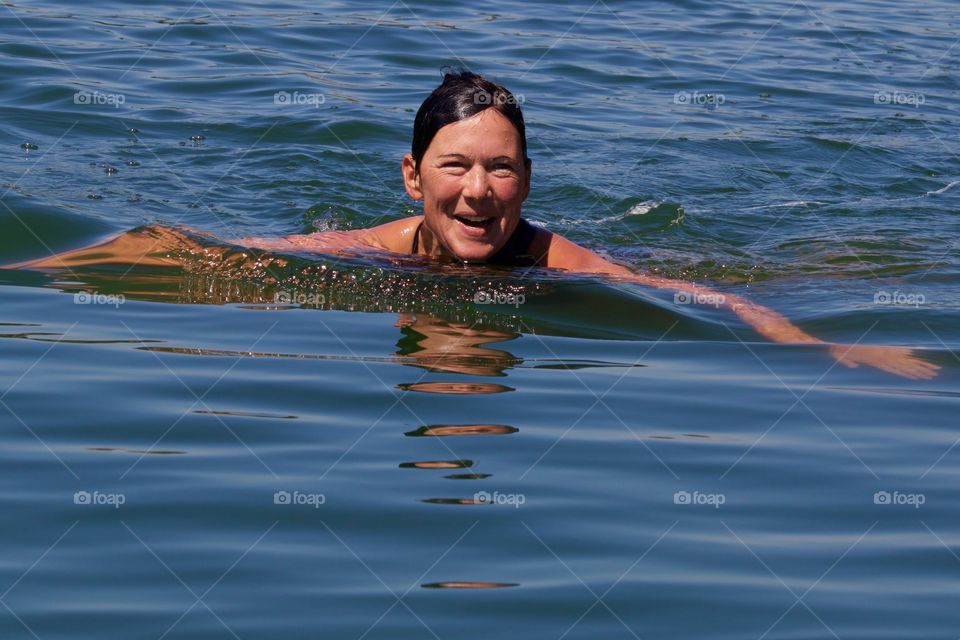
x=767, y=322
x=148, y=246
x=155, y=245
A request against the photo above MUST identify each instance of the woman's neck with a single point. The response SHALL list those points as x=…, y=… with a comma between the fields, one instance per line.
x=429, y=245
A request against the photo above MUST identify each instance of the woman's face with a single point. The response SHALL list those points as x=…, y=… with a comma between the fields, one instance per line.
x=473, y=181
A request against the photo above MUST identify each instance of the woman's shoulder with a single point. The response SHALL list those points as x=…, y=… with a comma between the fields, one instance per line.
x=396, y=236
x=560, y=253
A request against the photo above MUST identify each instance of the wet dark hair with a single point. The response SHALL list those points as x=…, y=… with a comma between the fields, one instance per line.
x=462, y=95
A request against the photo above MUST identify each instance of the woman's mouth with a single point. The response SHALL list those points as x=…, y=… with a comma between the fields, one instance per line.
x=475, y=226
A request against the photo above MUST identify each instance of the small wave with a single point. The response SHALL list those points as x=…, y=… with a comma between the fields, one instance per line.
x=639, y=209
x=642, y=208
x=942, y=189
x=574, y=222
x=791, y=203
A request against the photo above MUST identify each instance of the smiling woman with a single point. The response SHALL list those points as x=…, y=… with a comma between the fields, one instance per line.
x=469, y=166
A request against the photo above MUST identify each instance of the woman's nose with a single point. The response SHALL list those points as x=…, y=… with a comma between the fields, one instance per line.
x=476, y=183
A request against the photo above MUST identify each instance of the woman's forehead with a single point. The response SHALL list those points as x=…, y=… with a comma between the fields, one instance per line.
x=488, y=133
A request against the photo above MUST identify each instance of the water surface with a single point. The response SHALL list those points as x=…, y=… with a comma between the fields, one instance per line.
x=360, y=449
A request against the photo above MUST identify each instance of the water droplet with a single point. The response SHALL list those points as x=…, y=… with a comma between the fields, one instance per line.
x=133, y=163
x=133, y=130
x=29, y=146
x=107, y=169
x=197, y=138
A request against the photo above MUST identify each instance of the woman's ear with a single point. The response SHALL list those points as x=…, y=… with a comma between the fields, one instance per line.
x=411, y=179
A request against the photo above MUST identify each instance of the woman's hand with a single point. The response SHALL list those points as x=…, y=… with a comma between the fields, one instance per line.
x=899, y=360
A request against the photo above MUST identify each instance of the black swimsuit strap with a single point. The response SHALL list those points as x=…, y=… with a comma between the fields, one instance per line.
x=514, y=252
x=416, y=239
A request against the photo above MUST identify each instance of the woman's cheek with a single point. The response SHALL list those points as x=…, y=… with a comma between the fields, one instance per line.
x=446, y=189
x=508, y=191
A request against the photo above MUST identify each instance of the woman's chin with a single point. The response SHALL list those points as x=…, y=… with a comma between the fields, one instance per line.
x=474, y=252
x=473, y=249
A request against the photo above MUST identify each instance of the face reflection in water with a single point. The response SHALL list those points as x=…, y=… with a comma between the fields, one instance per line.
x=441, y=345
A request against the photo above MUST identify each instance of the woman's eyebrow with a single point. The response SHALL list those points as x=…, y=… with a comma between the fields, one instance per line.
x=461, y=156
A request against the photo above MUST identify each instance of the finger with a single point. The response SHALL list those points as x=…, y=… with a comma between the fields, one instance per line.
x=927, y=373
x=920, y=371
x=924, y=369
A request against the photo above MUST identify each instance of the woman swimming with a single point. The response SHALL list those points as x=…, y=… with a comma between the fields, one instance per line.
x=469, y=166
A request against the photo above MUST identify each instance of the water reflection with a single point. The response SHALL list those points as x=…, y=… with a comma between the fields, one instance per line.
x=437, y=464
x=456, y=388
x=469, y=476
x=155, y=452
x=468, y=585
x=245, y=414
x=442, y=345
x=441, y=430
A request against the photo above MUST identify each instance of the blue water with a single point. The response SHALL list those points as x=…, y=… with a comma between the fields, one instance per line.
x=215, y=454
